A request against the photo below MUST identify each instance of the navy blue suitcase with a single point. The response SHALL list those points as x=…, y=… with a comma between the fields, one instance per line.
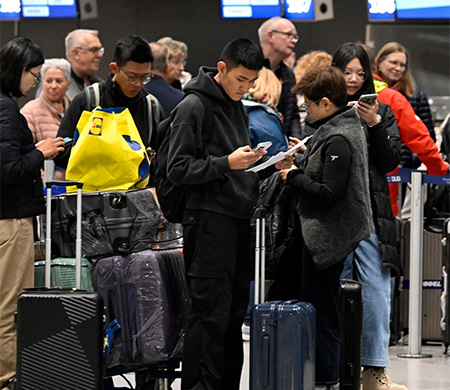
x=282, y=346
x=282, y=333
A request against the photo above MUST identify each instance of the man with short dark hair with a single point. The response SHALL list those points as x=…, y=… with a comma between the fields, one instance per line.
x=130, y=70
x=167, y=95
x=278, y=37
x=216, y=222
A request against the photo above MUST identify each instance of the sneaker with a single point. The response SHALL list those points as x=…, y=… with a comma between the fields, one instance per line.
x=373, y=379
x=245, y=332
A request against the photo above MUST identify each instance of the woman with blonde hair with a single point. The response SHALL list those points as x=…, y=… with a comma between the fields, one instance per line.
x=265, y=121
x=392, y=65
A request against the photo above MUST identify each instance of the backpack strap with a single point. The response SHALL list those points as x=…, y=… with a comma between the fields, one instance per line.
x=154, y=115
x=92, y=93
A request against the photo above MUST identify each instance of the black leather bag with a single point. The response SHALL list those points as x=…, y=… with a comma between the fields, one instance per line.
x=277, y=198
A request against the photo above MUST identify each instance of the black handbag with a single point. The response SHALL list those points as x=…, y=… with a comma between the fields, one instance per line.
x=277, y=198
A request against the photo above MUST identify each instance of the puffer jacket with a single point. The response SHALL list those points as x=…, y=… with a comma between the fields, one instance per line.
x=43, y=117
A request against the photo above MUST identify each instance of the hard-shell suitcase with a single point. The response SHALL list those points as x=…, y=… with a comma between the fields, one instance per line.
x=431, y=284
x=445, y=297
x=351, y=307
x=282, y=335
x=60, y=332
x=146, y=292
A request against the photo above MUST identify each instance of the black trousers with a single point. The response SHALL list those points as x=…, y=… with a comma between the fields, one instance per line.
x=321, y=288
x=218, y=264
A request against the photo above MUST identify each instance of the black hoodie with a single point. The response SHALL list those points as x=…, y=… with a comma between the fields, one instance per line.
x=213, y=186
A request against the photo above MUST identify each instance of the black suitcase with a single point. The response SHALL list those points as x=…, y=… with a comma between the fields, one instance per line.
x=114, y=222
x=60, y=332
x=445, y=299
x=350, y=301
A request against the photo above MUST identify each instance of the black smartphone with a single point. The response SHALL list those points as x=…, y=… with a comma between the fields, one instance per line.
x=368, y=98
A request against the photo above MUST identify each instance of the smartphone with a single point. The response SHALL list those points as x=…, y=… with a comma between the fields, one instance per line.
x=67, y=141
x=369, y=98
x=263, y=145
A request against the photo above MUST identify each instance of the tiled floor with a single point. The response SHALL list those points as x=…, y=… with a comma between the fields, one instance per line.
x=416, y=373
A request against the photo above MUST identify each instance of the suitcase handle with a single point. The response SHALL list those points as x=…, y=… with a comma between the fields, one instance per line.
x=64, y=183
x=48, y=241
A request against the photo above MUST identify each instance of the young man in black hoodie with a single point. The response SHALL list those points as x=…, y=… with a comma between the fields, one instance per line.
x=221, y=195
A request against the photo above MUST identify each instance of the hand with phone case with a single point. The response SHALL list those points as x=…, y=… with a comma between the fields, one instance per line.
x=367, y=108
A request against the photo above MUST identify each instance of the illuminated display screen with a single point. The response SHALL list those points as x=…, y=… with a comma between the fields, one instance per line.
x=423, y=9
x=263, y=9
x=9, y=9
x=49, y=9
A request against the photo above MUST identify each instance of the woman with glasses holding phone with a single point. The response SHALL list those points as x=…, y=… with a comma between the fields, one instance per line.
x=21, y=192
x=332, y=185
x=376, y=258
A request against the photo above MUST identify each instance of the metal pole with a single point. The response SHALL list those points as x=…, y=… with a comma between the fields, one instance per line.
x=415, y=270
x=48, y=240
x=78, y=243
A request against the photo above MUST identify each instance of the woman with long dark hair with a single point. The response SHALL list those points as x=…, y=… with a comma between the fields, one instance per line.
x=376, y=258
x=21, y=194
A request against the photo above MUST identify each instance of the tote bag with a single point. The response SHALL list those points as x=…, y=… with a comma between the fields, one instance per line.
x=108, y=152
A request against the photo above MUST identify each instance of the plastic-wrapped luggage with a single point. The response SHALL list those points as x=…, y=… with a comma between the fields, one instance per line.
x=114, y=222
x=146, y=292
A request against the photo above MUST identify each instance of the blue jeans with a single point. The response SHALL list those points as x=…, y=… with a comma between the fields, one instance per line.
x=376, y=296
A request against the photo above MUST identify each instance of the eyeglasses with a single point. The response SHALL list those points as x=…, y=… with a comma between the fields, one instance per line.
x=178, y=63
x=93, y=50
x=134, y=79
x=361, y=76
x=37, y=78
x=288, y=34
x=305, y=106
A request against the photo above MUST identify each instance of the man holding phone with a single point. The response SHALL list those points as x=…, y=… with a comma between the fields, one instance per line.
x=216, y=222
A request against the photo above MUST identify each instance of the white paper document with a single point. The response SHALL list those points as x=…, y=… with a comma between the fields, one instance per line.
x=274, y=159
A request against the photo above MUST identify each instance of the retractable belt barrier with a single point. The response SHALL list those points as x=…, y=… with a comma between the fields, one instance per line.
x=417, y=179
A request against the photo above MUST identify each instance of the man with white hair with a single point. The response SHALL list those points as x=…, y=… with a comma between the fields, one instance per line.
x=84, y=52
x=277, y=37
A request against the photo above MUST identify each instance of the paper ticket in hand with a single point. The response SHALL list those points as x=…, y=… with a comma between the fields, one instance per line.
x=274, y=159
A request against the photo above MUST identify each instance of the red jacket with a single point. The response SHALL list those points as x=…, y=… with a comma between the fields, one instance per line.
x=413, y=133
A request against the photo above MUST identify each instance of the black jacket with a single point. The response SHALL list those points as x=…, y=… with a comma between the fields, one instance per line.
x=288, y=101
x=213, y=186
x=110, y=96
x=21, y=193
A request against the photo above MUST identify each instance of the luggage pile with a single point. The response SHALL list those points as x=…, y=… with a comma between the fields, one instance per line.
x=126, y=261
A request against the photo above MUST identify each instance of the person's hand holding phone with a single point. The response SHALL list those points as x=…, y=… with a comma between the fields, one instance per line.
x=367, y=108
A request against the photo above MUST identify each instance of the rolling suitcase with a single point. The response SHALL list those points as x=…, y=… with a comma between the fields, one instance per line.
x=282, y=341
x=431, y=285
x=351, y=307
x=445, y=297
x=60, y=332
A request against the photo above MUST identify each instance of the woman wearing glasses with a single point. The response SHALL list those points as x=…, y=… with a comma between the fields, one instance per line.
x=20, y=189
x=333, y=204
x=375, y=258
x=44, y=113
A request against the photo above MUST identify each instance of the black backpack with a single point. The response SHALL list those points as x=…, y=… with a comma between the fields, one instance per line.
x=172, y=196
